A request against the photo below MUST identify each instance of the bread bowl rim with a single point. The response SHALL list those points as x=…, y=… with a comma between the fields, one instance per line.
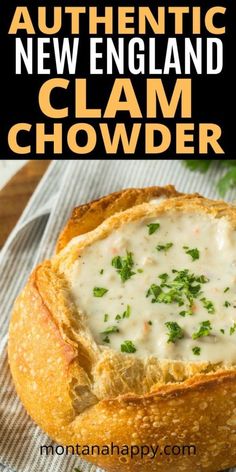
x=198, y=383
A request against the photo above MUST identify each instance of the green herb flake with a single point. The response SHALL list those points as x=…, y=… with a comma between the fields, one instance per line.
x=194, y=253
x=175, y=331
x=209, y=305
x=140, y=271
x=186, y=313
x=124, y=266
x=204, y=330
x=196, y=350
x=111, y=330
x=226, y=289
x=153, y=227
x=127, y=312
x=163, y=277
x=232, y=329
x=106, y=316
x=222, y=331
x=150, y=323
x=128, y=347
x=202, y=279
x=106, y=339
x=182, y=289
x=155, y=291
x=99, y=291
x=164, y=247
x=227, y=304
x=101, y=271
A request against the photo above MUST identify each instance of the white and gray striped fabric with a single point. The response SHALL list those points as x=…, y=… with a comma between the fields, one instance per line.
x=65, y=185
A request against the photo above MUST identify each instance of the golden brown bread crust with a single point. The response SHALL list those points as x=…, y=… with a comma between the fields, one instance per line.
x=86, y=217
x=58, y=371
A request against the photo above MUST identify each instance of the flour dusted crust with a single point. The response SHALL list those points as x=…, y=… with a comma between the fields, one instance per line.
x=82, y=393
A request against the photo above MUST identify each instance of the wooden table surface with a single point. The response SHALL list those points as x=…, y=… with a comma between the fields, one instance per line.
x=16, y=193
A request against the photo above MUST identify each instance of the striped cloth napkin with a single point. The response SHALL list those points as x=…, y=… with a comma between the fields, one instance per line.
x=65, y=185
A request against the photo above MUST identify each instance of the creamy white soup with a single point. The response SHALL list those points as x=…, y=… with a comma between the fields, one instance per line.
x=163, y=287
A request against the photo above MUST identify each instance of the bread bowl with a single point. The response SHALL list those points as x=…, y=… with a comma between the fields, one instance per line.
x=127, y=334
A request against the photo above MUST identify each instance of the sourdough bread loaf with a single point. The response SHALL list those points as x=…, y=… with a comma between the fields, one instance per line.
x=128, y=334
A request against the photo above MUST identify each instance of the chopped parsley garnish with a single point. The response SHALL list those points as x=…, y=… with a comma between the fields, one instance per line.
x=124, y=266
x=222, y=331
x=227, y=304
x=226, y=289
x=232, y=329
x=204, y=330
x=175, y=331
x=186, y=313
x=127, y=312
x=106, y=316
x=111, y=330
x=128, y=346
x=101, y=271
x=202, y=279
x=182, y=288
x=208, y=305
x=150, y=323
x=194, y=253
x=164, y=247
x=108, y=331
x=196, y=350
x=99, y=291
x=140, y=271
x=153, y=227
x=155, y=291
x=163, y=277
